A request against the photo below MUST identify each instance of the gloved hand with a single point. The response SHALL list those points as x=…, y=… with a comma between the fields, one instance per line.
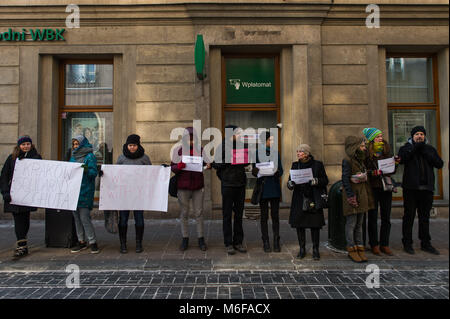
x=377, y=172
x=290, y=185
x=314, y=182
x=397, y=159
x=181, y=165
x=100, y=173
x=85, y=167
x=164, y=165
x=7, y=198
x=255, y=171
x=352, y=201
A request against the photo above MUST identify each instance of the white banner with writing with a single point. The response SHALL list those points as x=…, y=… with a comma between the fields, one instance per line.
x=46, y=184
x=134, y=187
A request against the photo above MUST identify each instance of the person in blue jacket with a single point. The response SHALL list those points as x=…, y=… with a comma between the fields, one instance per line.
x=271, y=193
x=82, y=152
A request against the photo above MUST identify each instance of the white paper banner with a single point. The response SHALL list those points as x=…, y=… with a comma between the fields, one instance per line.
x=387, y=166
x=301, y=176
x=193, y=163
x=134, y=187
x=46, y=184
x=265, y=169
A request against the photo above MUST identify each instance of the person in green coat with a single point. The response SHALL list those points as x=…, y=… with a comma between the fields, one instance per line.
x=82, y=152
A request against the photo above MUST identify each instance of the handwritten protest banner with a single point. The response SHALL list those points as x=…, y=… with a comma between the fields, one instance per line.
x=265, y=169
x=387, y=166
x=46, y=184
x=301, y=176
x=193, y=163
x=134, y=187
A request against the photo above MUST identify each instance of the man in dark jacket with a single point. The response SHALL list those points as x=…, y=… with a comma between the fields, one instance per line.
x=234, y=180
x=419, y=159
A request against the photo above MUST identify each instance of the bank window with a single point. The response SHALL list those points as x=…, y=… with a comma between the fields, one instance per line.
x=412, y=94
x=86, y=108
x=250, y=99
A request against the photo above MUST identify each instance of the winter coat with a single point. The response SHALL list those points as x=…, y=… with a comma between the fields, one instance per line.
x=371, y=163
x=419, y=161
x=87, y=190
x=6, y=180
x=143, y=160
x=271, y=187
x=352, y=166
x=188, y=180
x=298, y=218
x=230, y=175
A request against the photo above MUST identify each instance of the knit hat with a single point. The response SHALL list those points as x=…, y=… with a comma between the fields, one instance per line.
x=371, y=133
x=305, y=148
x=418, y=129
x=133, y=139
x=24, y=139
x=79, y=138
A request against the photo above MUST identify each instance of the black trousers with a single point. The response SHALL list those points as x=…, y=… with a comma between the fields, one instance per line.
x=233, y=201
x=422, y=201
x=383, y=200
x=21, y=224
x=274, y=212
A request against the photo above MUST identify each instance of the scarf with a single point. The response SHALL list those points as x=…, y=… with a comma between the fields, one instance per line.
x=138, y=154
x=80, y=153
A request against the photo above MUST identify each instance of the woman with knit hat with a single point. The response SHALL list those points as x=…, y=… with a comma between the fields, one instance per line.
x=21, y=214
x=357, y=196
x=82, y=152
x=133, y=154
x=307, y=206
x=378, y=149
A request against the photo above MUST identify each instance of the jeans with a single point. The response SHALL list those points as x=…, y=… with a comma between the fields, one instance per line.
x=233, y=201
x=422, y=201
x=274, y=211
x=125, y=214
x=21, y=225
x=184, y=198
x=83, y=225
x=353, y=229
x=384, y=199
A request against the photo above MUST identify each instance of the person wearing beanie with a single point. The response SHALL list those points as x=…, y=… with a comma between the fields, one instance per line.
x=307, y=204
x=82, y=152
x=419, y=159
x=132, y=154
x=357, y=198
x=233, y=182
x=21, y=214
x=271, y=192
x=190, y=185
x=378, y=149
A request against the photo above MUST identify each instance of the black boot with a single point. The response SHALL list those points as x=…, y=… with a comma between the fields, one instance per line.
x=301, y=242
x=21, y=249
x=139, y=236
x=123, y=239
x=202, y=244
x=184, y=244
x=276, y=243
x=315, y=236
x=266, y=245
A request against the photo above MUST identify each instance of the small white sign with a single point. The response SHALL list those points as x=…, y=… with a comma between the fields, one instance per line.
x=193, y=163
x=387, y=166
x=301, y=176
x=265, y=169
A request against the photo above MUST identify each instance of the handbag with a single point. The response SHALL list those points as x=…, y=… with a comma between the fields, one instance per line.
x=257, y=192
x=388, y=185
x=111, y=221
x=173, y=186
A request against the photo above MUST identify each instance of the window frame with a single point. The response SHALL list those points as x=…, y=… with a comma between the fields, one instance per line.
x=435, y=105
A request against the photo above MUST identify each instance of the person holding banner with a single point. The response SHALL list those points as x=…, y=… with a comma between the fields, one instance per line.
x=357, y=196
x=133, y=154
x=21, y=214
x=231, y=172
x=271, y=192
x=82, y=152
x=379, y=149
x=188, y=165
x=307, y=200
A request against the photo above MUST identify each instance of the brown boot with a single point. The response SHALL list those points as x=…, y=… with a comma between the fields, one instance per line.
x=361, y=254
x=386, y=250
x=353, y=254
x=376, y=250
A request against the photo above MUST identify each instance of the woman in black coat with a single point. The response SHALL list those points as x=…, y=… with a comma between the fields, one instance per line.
x=23, y=149
x=308, y=217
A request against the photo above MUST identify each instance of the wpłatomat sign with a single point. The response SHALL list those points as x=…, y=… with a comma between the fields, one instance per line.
x=33, y=35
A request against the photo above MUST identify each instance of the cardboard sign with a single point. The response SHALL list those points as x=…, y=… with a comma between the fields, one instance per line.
x=46, y=184
x=387, y=166
x=301, y=176
x=134, y=187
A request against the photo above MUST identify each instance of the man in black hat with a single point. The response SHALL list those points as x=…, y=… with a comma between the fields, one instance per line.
x=419, y=159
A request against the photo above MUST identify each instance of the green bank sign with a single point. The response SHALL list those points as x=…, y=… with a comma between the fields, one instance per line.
x=33, y=35
x=250, y=80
